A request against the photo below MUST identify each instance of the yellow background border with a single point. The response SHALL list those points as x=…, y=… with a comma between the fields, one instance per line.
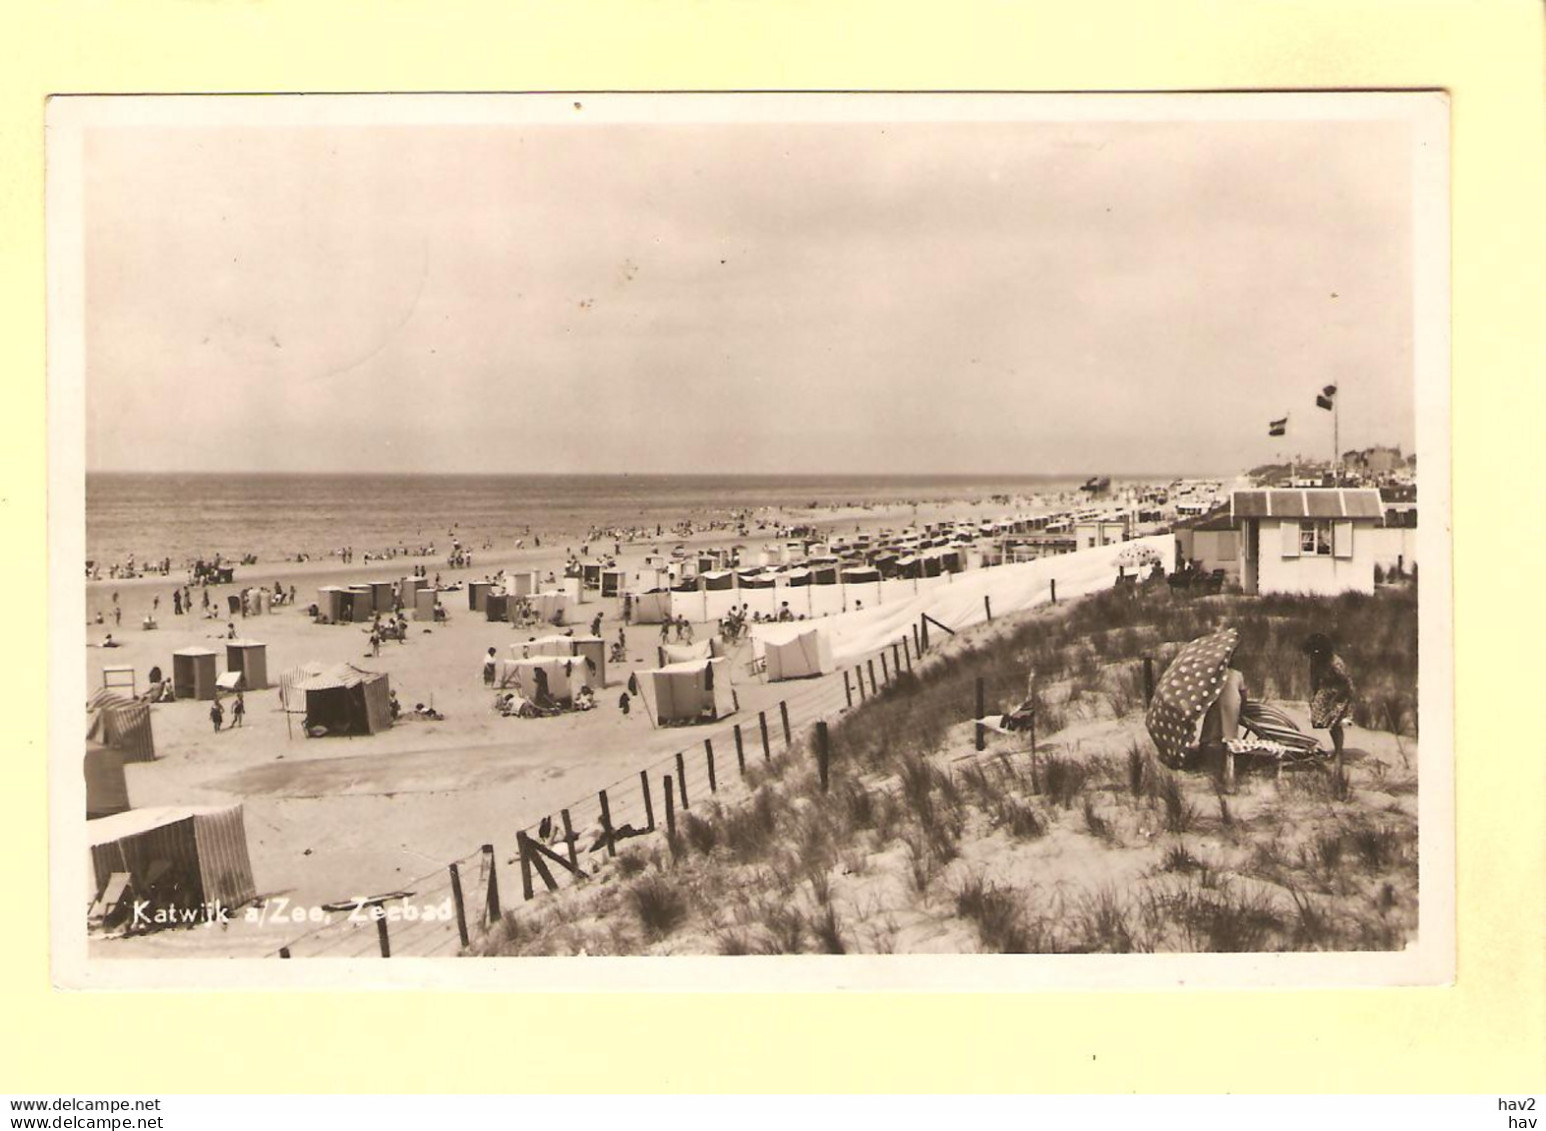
x=1487, y=1033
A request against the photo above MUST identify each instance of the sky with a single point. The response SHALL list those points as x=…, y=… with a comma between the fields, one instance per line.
x=906, y=297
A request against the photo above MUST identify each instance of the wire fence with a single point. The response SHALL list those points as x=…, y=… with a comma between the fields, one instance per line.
x=446, y=910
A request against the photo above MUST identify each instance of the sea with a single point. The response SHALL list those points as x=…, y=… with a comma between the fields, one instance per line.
x=278, y=516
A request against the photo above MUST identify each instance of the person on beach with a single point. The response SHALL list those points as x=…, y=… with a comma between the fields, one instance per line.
x=490, y=664
x=216, y=714
x=622, y=704
x=238, y=711
x=109, y=642
x=177, y=602
x=1331, y=689
x=665, y=631
x=117, y=614
x=595, y=625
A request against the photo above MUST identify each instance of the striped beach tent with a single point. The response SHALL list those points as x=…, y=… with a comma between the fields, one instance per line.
x=121, y=723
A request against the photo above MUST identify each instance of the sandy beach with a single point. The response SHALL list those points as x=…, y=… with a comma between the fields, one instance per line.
x=332, y=818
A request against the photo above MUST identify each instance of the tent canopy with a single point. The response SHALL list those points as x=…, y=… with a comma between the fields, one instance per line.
x=690, y=691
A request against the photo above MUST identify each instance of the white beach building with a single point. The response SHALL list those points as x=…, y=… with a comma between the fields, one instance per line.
x=1319, y=541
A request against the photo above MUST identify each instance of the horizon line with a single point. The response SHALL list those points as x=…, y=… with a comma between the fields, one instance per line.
x=811, y=475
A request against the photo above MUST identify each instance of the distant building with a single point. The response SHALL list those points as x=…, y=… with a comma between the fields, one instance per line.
x=1318, y=540
x=1100, y=532
x=1375, y=461
x=1212, y=542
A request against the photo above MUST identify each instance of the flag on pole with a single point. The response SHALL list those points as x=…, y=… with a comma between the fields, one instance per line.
x=1277, y=427
x=1326, y=398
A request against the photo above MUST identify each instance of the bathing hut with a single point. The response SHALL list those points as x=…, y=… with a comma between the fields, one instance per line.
x=193, y=673
x=249, y=658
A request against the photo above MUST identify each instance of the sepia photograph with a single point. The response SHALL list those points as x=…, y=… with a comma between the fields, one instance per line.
x=937, y=540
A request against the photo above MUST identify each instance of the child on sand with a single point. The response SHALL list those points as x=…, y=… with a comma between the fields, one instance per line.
x=216, y=715
x=238, y=711
x=622, y=704
x=490, y=664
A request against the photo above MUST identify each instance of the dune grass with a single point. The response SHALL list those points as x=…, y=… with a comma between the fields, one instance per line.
x=919, y=835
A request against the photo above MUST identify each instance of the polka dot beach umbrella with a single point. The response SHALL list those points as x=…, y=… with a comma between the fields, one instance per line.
x=1190, y=685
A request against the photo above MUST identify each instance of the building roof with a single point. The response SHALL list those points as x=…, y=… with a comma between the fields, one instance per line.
x=1311, y=502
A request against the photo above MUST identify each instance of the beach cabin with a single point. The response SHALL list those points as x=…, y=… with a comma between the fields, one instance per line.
x=107, y=790
x=193, y=673
x=496, y=606
x=123, y=724
x=383, y=595
x=424, y=604
x=690, y=692
x=406, y=588
x=613, y=582
x=362, y=602
x=1319, y=541
x=477, y=595
x=347, y=701
x=523, y=583
x=250, y=659
x=805, y=654
x=589, y=650
x=182, y=857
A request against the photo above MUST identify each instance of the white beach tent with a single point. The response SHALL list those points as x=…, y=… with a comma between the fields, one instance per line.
x=653, y=607
x=689, y=692
x=591, y=650
x=797, y=655
x=562, y=676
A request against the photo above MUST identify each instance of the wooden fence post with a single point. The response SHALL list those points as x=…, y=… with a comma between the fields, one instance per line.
x=822, y=754
x=381, y=931
x=1148, y=680
x=708, y=757
x=848, y=689
x=681, y=779
x=491, y=912
x=1054, y=591
x=918, y=639
x=863, y=695
x=885, y=671
x=461, y=904
x=923, y=638
x=982, y=731
x=870, y=663
x=606, y=824
x=987, y=606
x=528, y=891
x=740, y=749
x=649, y=802
x=896, y=658
x=908, y=653
x=670, y=809
x=783, y=714
x=762, y=723
x=573, y=852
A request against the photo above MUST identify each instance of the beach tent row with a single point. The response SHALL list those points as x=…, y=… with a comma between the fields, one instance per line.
x=550, y=606
x=688, y=692
x=181, y=857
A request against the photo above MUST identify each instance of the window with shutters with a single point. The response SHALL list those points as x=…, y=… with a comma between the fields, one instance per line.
x=1315, y=536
